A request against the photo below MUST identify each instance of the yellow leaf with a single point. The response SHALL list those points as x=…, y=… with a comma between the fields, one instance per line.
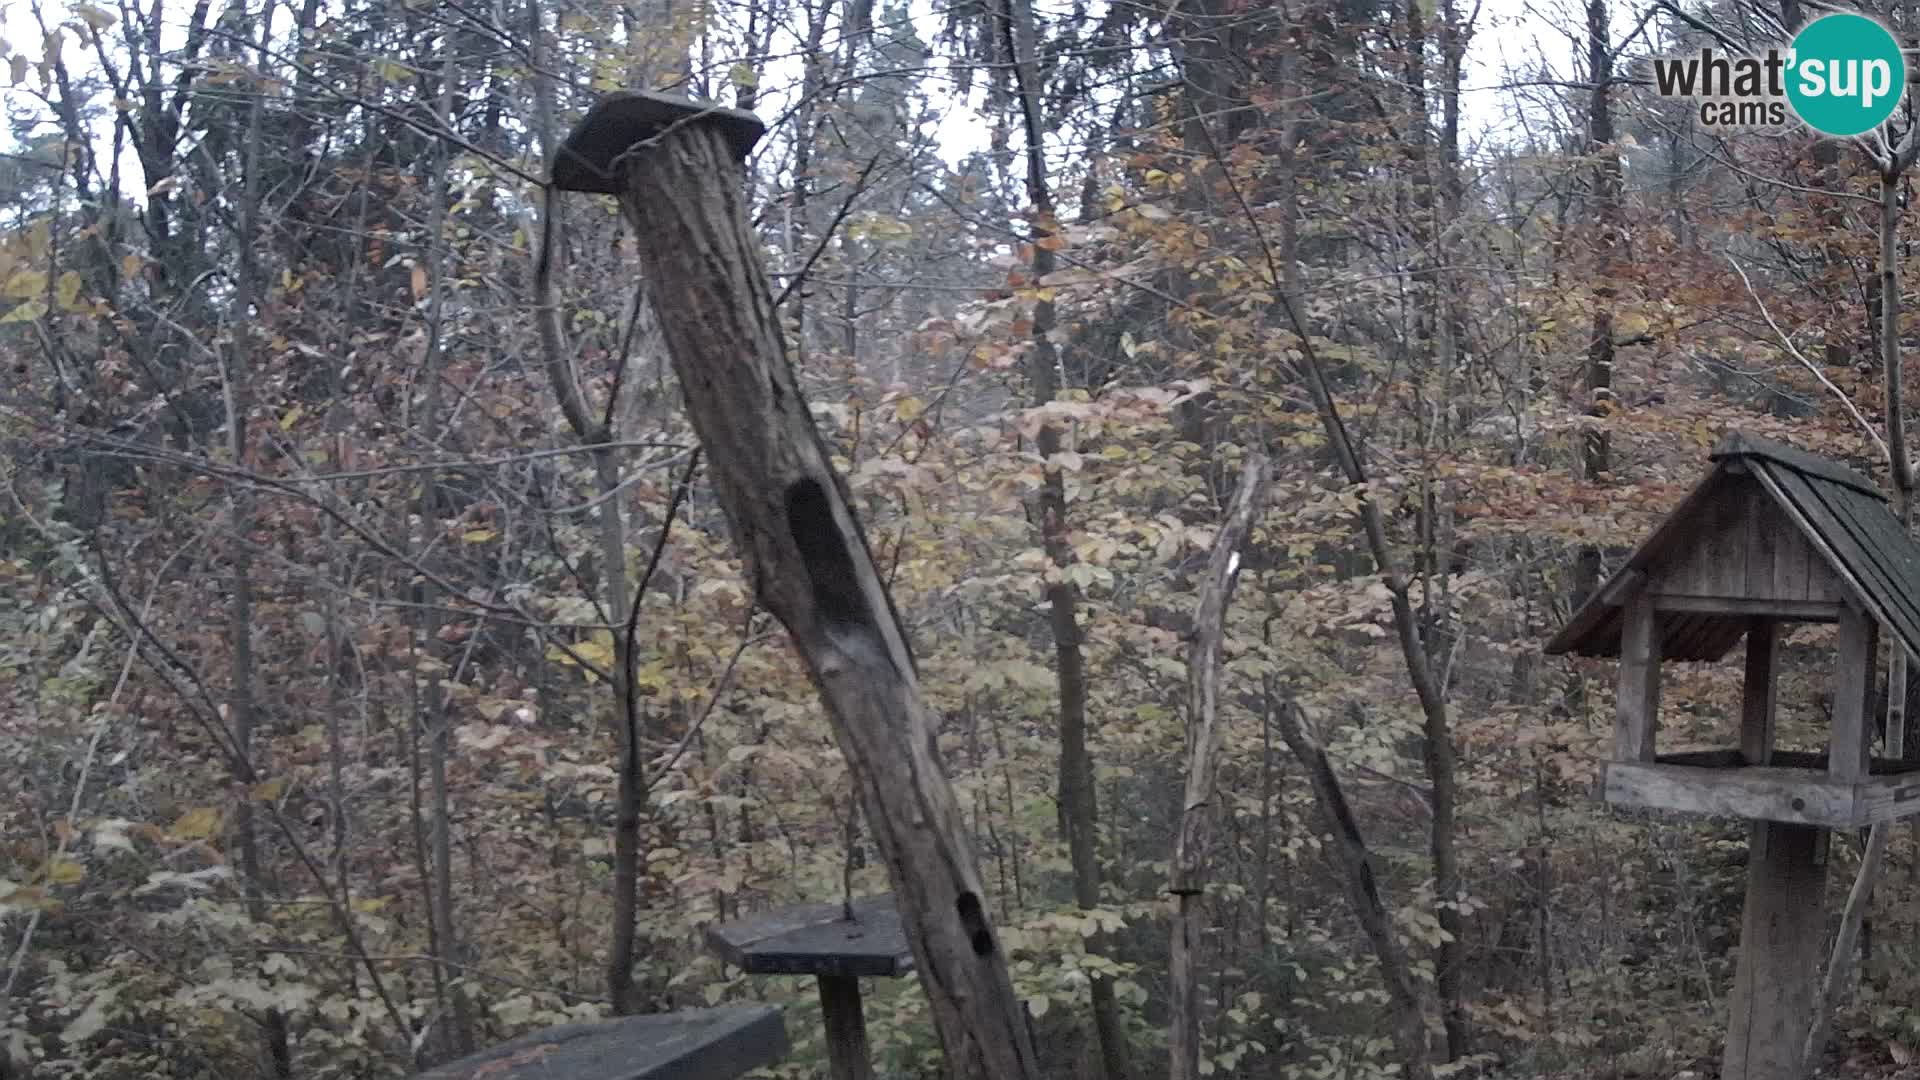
x=27, y=284
x=26, y=312
x=65, y=872
x=909, y=409
x=293, y=417
x=196, y=824
x=391, y=71
x=477, y=536
x=268, y=790
x=597, y=653
x=67, y=290
x=130, y=265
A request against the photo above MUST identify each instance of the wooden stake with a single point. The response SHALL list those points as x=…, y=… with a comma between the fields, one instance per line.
x=1187, y=879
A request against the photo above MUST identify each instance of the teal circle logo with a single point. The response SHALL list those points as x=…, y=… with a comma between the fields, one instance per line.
x=1847, y=74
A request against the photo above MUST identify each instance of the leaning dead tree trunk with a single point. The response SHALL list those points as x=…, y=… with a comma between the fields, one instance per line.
x=677, y=168
x=1188, y=881
x=1349, y=856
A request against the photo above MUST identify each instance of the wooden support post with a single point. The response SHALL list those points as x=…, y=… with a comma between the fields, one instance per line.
x=1780, y=938
x=1852, y=696
x=677, y=166
x=1636, y=702
x=847, y=1055
x=1757, y=696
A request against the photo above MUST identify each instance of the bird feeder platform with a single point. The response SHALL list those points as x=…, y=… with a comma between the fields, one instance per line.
x=590, y=159
x=695, y=1044
x=819, y=940
x=1791, y=788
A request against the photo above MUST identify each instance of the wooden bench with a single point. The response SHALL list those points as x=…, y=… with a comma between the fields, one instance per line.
x=819, y=940
x=693, y=1044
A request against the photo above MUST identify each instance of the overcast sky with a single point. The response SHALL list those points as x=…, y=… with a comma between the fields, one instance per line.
x=1512, y=39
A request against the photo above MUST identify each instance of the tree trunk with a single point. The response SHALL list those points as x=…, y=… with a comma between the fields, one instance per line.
x=1188, y=881
x=630, y=788
x=1836, y=985
x=1079, y=812
x=1354, y=863
x=811, y=567
x=1596, y=458
x=238, y=391
x=630, y=785
x=1438, y=752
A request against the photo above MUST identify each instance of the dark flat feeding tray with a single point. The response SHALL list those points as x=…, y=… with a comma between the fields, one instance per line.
x=694, y=1044
x=587, y=160
x=818, y=940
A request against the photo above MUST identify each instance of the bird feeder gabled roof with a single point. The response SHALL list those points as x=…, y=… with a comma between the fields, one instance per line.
x=1774, y=532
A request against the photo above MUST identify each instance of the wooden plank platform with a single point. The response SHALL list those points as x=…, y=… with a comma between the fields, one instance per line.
x=818, y=940
x=693, y=1044
x=1795, y=788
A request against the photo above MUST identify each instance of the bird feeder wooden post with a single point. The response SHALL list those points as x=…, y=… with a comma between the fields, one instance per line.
x=837, y=944
x=677, y=167
x=1772, y=535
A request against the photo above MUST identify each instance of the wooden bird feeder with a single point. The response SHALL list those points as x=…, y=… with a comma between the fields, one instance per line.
x=696, y=1044
x=1772, y=535
x=820, y=940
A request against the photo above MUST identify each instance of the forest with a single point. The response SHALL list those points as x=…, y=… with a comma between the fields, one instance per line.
x=380, y=679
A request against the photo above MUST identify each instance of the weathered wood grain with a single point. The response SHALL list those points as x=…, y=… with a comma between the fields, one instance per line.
x=695, y=1044
x=812, y=568
x=1757, y=693
x=1187, y=878
x=1782, y=930
x=817, y=939
x=1794, y=788
x=1636, y=704
x=1743, y=607
x=1801, y=797
x=848, y=1057
x=1853, y=685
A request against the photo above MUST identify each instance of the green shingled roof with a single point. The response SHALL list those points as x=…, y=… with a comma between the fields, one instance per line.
x=1847, y=521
